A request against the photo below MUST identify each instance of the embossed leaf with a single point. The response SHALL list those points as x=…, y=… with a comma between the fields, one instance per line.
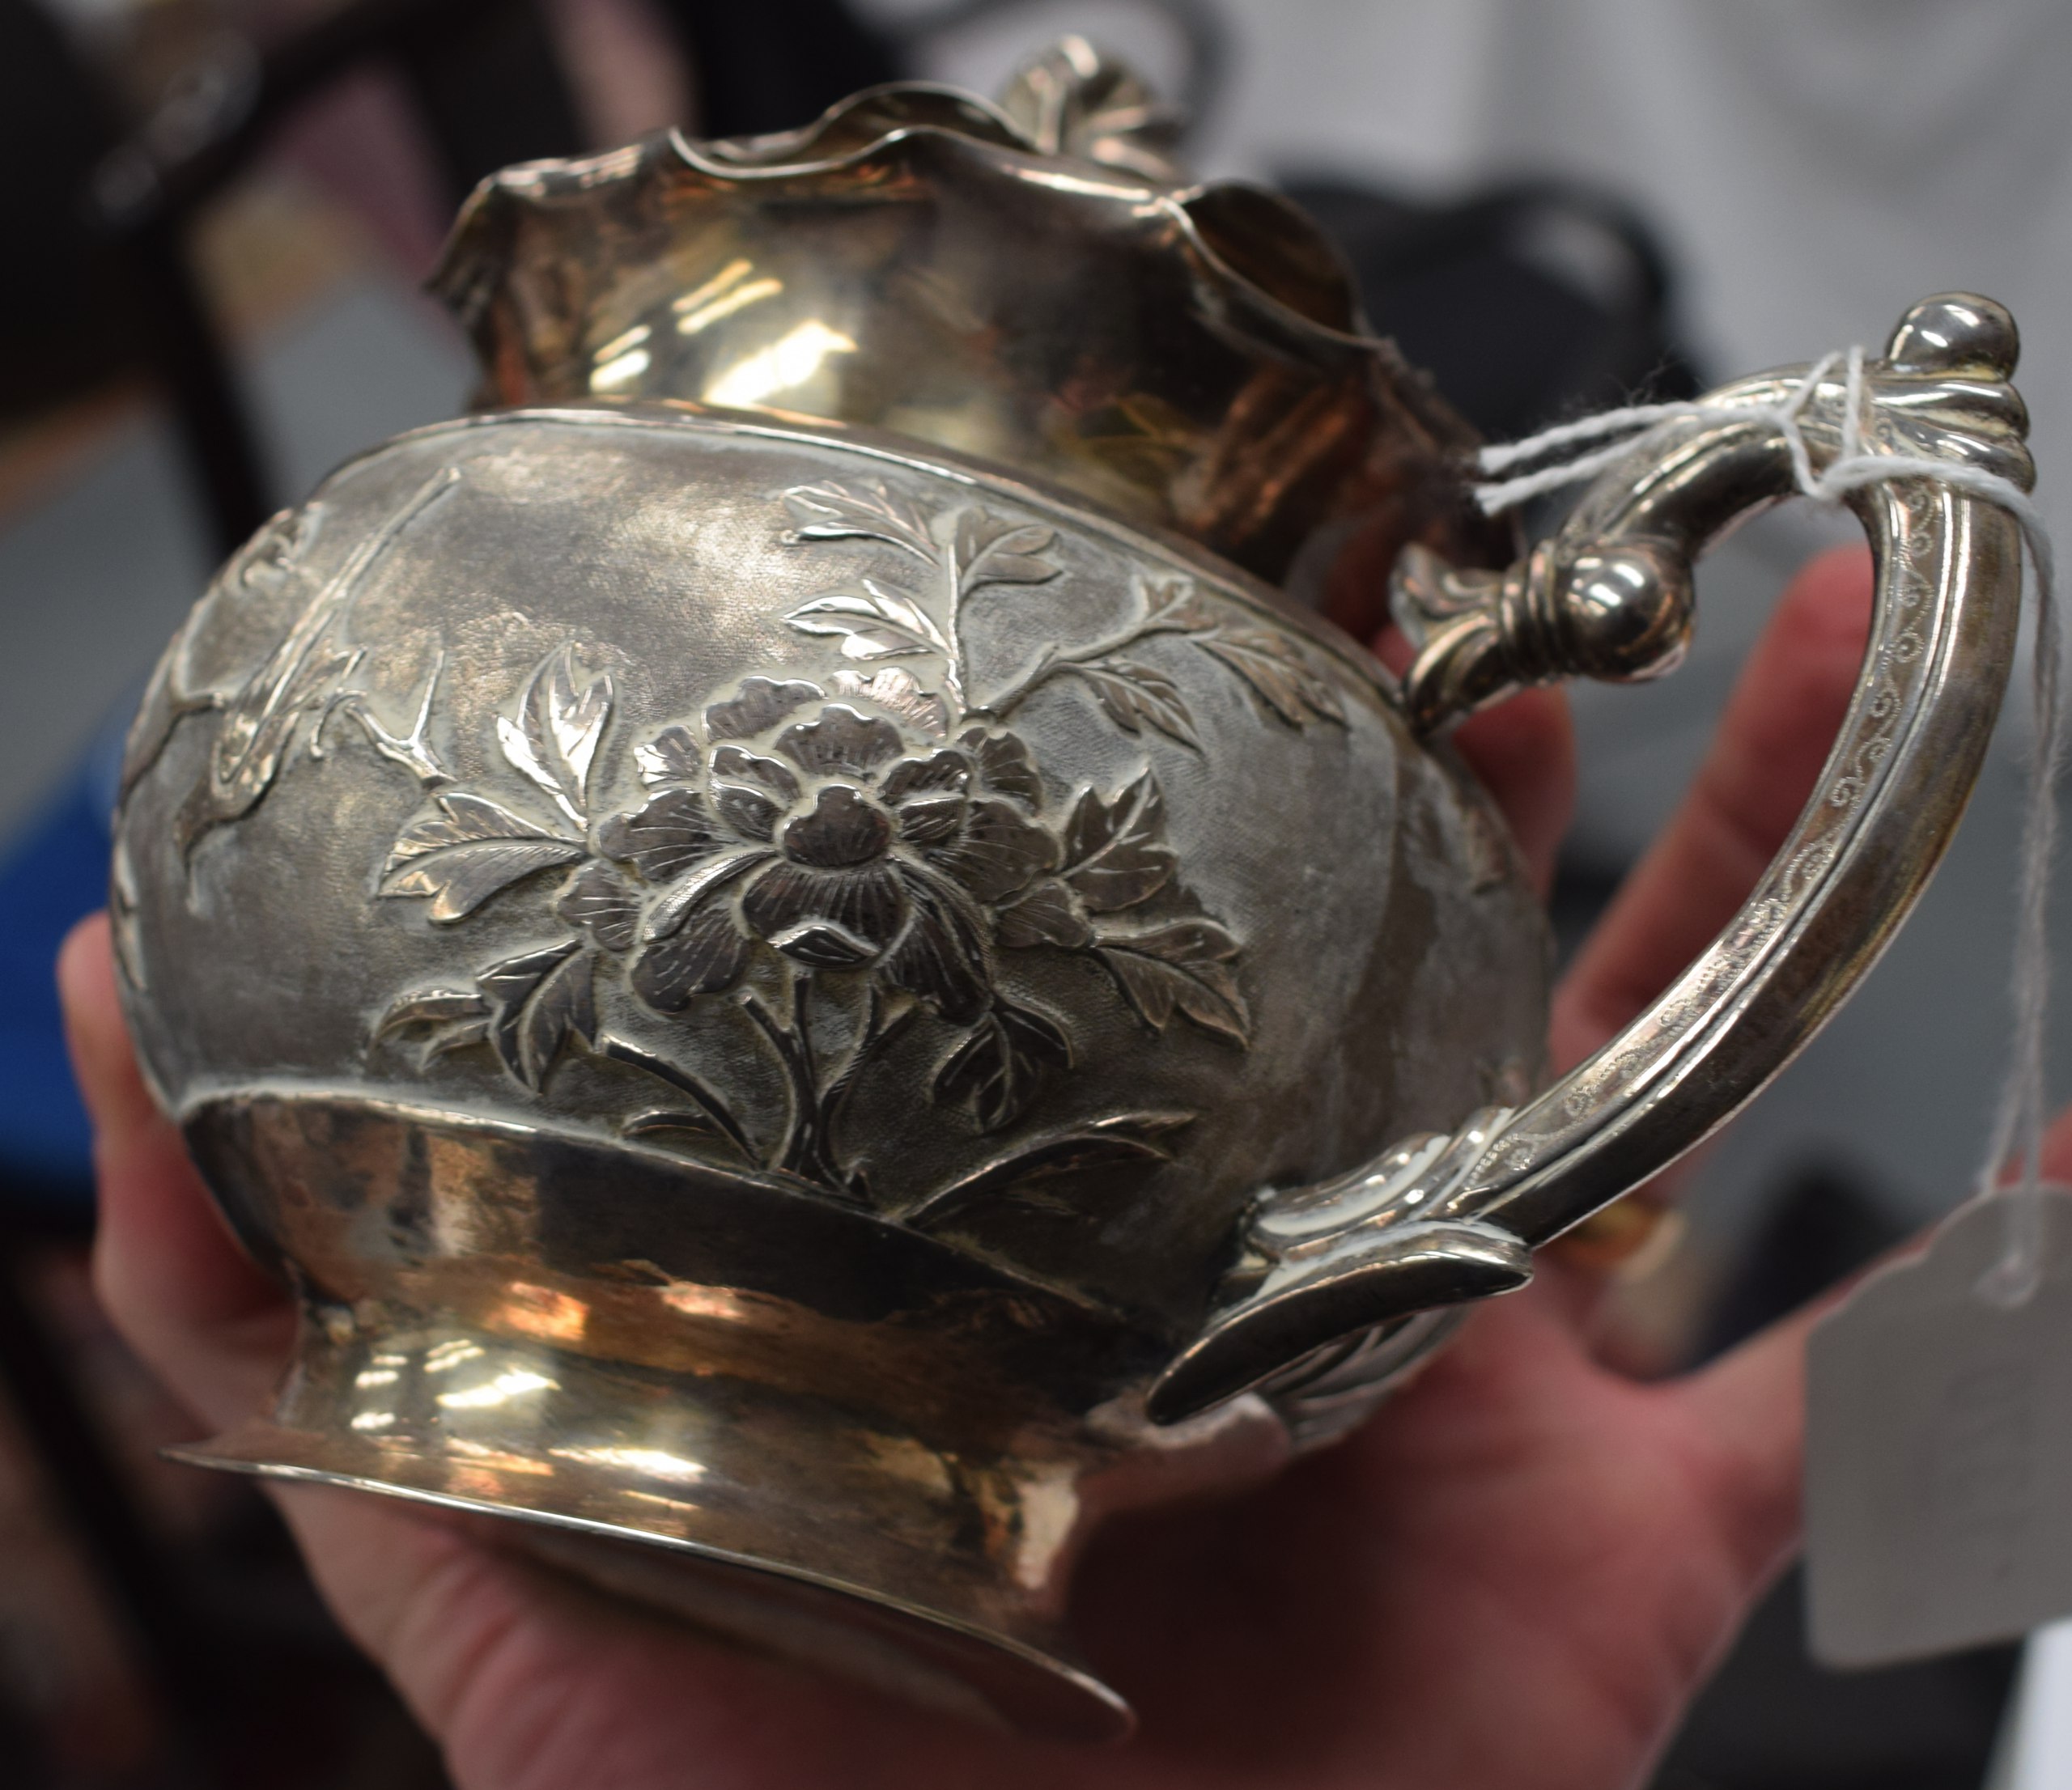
x=576, y=719
x=554, y=741
x=539, y=1001
x=456, y=1037
x=838, y=512
x=1175, y=605
x=451, y=1019
x=1180, y=967
x=871, y=623
x=459, y=881
x=1005, y=763
x=514, y=980
x=1142, y=1126
x=1193, y=939
x=941, y=955
x=1011, y=569
x=1115, y=852
x=1135, y=697
x=1130, y=1140
x=564, y=1007
x=671, y=757
x=1276, y=670
x=997, y=1069
x=598, y=900
x=460, y=818
x=432, y=1006
x=980, y=532
x=465, y=850
x=993, y=551
x=1050, y=914
x=671, y=1125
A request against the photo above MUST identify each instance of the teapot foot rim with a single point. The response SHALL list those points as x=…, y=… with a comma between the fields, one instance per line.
x=960, y=1667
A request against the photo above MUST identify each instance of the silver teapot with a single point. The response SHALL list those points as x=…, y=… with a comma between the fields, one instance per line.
x=817, y=977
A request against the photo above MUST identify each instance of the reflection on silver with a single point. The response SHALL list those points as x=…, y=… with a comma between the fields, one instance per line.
x=721, y=297
x=786, y=365
x=644, y=1463
x=513, y=1383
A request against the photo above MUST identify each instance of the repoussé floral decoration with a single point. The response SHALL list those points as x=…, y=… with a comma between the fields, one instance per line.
x=855, y=853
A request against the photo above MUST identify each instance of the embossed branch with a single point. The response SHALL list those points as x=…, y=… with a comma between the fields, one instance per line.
x=412, y=750
x=257, y=732
x=1171, y=609
x=969, y=547
x=877, y=1034
x=710, y=1104
x=807, y=1148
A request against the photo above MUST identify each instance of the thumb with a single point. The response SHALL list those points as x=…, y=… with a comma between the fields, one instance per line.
x=186, y=1297
x=124, y=1116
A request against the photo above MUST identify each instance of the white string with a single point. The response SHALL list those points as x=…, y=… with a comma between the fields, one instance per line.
x=2013, y=1170
x=1606, y=422
x=1660, y=422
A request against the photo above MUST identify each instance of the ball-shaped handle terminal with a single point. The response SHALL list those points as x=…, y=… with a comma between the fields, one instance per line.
x=1956, y=332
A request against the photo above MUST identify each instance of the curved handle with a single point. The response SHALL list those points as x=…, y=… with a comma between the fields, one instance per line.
x=1444, y=1220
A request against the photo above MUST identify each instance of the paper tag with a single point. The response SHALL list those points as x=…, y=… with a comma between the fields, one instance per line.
x=1939, y=1450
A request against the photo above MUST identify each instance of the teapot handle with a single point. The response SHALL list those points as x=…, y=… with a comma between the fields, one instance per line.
x=1444, y=1220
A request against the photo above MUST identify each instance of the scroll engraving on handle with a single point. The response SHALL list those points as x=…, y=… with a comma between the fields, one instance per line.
x=1443, y=1220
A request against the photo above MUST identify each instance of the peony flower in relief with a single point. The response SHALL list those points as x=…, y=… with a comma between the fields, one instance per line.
x=845, y=834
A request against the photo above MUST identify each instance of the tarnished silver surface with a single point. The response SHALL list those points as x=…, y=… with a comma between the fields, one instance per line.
x=545, y=791
x=811, y=1011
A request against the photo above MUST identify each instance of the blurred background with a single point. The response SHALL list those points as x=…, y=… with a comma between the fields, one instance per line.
x=218, y=216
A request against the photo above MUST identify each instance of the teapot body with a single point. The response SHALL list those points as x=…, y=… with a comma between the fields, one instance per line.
x=706, y=947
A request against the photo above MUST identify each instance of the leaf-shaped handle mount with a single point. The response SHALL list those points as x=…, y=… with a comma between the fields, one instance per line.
x=1444, y=1220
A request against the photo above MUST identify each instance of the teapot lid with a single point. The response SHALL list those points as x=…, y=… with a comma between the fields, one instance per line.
x=1032, y=283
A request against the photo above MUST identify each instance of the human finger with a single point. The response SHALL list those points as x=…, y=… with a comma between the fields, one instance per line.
x=1772, y=741
x=1524, y=752
x=194, y=1307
